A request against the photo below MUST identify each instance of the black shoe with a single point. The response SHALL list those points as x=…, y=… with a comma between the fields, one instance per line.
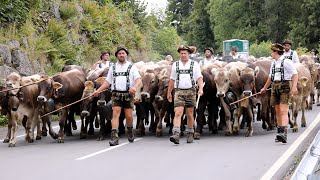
x=114, y=138
x=175, y=137
x=190, y=137
x=130, y=134
x=282, y=138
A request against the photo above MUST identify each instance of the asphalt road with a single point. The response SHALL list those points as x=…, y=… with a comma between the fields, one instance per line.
x=212, y=157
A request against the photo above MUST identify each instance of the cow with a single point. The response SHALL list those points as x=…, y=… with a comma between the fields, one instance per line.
x=64, y=88
x=253, y=79
x=304, y=87
x=228, y=79
x=313, y=68
x=208, y=101
x=23, y=106
x=163, y=108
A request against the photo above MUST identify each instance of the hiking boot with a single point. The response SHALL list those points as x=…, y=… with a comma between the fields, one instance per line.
x=130, y=134
x=278, y=133
x=282, y=135
x=175, y=137
x=190, y=137
x=114, y=138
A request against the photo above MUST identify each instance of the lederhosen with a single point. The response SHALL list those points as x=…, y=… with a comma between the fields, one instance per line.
x=185, y=97
x=279, y=87
x=121, y=95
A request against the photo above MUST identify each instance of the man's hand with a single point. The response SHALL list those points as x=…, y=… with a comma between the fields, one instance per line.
x=263, y=90
x=200, y=92
x=169, y=97
x=132, y=90
x=294, y=91
x=96, y=93
x=99, y=62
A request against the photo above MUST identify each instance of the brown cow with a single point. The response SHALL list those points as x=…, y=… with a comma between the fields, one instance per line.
x=313, y=68
x=23, y=106
x=64, y=88
x=304, y=87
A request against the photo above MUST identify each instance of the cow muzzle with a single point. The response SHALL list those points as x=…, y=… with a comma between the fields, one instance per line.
x=220, y=95
x=159, y=98
x=14, y=103
x=41, y=99
x=85, y=113
x=102, y=103
x=247, y=93
x=145, y=95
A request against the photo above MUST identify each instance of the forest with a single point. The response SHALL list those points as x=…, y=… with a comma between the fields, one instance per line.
x=62, y=32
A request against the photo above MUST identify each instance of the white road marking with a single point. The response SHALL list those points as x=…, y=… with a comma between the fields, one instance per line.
x=53, y=127
x=276, y=166
x=104, y=150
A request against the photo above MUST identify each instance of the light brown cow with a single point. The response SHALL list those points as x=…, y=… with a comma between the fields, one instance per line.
x=304, y=88
x=23, y=106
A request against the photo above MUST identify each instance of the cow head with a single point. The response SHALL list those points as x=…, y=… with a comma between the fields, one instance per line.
x=247, y=78
x=150, y=84
x=48, y=88
x=163, y=88
x=86, y=104
x=103, y=97
x=13, y=81
x=221, y=80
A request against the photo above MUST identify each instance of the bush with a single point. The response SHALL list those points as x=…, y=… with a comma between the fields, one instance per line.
x=68, y=11
x=260, y=50
x=3, y=120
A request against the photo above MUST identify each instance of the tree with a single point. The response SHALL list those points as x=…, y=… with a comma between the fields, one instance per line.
x=200, y=33
x=178, y=12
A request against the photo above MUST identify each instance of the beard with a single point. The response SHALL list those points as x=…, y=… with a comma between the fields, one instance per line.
x=121, y=59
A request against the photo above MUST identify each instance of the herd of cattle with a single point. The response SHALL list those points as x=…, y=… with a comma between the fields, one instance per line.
x=28, y=100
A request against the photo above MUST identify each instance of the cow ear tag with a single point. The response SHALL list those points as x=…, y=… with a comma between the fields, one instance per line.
x=100, y=80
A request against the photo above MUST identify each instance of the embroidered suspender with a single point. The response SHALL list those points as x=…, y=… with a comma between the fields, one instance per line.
x=115, y=74
x=289, y=57
x=186, y=71
x=274, y=71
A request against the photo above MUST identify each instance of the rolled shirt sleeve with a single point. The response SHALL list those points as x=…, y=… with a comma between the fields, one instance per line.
x=110, y=75
x=196, y=71
x=173, y=75
x=295, y=57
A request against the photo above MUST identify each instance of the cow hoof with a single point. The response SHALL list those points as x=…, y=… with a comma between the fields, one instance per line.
x=55, y=136
x=44, y=133
x=227, y=133
x=264, y=126
x=30, y=140
x=249, y=134
x=196, y=136
x=60, y=140
x=140, y=133
x=91, y=131
x=294, y=129
x=38, y=137
x=74, y=126
x=159, y=132
x=303, y=125
x=270, y=128
x=214, y=131
x=235, y=132
x=12, y=145
x=83, y=136
x=6, y=141
x=318, y=104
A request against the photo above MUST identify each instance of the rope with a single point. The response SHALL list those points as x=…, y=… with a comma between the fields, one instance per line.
x=70, y=104
x=25, y=85
x=248, y=97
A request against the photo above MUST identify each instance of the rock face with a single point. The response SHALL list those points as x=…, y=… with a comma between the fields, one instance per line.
x=5, y=71
x=5, y=55
x=22, y=63
x=13, y=44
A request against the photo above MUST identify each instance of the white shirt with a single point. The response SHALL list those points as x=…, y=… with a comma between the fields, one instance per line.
x=103, y=65
x=236, y=56
x=288, y=66
x=121, y=81
x=185, y=79
x=295, y=57
x=206, y=61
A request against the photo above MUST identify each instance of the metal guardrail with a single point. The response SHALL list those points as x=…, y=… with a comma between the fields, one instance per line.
x=309, y=167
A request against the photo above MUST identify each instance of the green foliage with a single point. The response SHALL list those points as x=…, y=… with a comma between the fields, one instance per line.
x=68, y=11
x=260, y=49
x=166, y=41
x=3, y=120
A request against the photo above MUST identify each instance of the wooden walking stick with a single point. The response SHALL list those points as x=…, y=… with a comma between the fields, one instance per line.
x=248, y=97
x=198, y=99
